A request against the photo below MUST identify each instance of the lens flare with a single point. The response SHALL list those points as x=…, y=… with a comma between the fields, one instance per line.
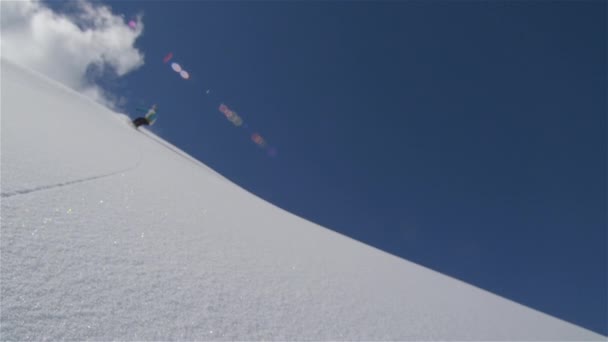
x=272, y=152
x=257, y=138
x=231, y=115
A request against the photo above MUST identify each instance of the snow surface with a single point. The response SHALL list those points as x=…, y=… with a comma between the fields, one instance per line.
x=109, y=233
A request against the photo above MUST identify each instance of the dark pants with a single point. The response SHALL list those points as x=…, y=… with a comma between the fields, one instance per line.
x=140, y=121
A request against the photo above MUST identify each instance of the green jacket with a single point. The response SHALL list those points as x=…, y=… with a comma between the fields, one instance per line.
x=151, y=114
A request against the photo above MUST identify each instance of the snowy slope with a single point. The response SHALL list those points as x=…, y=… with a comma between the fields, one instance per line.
x=108, y=233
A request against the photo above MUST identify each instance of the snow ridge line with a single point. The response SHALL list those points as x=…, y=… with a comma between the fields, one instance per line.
x=177, y=151
x=68, y=183
x=169, y=146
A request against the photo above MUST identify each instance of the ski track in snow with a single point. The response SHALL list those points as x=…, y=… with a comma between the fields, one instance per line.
x=68, y=183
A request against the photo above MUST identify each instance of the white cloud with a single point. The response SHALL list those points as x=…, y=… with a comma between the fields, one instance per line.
x=64, y=46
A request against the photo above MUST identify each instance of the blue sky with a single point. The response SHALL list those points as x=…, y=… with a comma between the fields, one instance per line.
x=469, y=137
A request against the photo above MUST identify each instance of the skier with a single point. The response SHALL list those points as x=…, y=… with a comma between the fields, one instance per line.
x=148, y=119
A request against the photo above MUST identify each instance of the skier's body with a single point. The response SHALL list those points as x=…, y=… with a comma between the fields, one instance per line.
x=148, y=119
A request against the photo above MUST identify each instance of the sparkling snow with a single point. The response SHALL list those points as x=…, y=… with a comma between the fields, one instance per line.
x=113, y=234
